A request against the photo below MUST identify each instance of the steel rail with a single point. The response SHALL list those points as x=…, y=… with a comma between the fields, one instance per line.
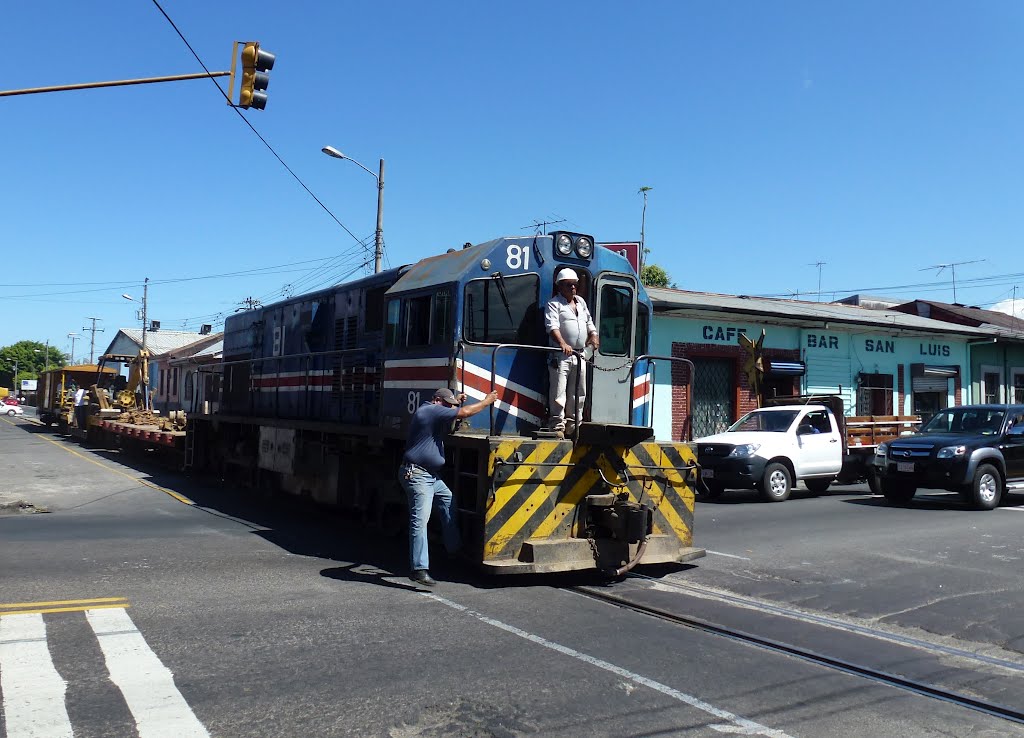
x=848, y=667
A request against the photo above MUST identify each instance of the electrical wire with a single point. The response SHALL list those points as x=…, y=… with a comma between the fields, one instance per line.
x=277, y=156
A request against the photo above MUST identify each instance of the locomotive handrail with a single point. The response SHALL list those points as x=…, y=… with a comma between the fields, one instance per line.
x=652, y=358
x=528, y=347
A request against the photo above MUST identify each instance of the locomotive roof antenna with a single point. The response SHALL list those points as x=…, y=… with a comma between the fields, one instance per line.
x=542, y=225
x=952, y=269
x=819, y=264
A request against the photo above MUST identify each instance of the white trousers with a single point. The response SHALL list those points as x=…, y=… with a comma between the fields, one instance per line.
x=562, y=399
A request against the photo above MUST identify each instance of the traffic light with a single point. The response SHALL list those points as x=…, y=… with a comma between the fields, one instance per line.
x=255, y=65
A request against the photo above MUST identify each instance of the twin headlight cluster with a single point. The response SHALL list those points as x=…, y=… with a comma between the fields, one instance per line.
x=566, y=244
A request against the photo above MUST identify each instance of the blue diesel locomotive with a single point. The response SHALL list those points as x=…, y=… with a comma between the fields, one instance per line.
x=317, y=392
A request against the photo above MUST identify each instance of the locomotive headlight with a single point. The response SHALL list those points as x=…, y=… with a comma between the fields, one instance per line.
x=584, y=247
x=563, y=244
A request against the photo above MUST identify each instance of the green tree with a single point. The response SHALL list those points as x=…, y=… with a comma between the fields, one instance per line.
x=31, y=357
x=653, y=275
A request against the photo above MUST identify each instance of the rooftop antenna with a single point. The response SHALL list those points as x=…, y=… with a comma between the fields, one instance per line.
x=542, y=225
x=952, y=268
x=819, y=264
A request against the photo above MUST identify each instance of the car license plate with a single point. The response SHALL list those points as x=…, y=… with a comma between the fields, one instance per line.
x=707, y=473
x=904, y=466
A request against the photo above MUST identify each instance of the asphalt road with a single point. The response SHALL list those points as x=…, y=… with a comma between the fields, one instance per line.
x=279, y=622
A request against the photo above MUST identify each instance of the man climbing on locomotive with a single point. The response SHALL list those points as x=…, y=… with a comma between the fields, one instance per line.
x=419, y=475
x=571, y=328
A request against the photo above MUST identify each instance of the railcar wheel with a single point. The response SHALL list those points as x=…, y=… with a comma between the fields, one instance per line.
x=776, y=484
x=986, y=488
x=818, y=486
x=898, y=493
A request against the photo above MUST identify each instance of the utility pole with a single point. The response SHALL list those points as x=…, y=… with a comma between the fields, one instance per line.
x=145, y=298
x=92, y=341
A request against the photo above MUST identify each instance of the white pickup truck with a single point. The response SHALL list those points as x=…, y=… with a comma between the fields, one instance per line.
x=771, y=449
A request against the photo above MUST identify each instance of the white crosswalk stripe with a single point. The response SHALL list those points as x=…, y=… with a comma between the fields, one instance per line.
x=33, y=691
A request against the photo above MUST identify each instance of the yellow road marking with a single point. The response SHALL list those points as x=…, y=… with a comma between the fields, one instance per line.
x=80, y=608
x=143, y=482
x=7, y=605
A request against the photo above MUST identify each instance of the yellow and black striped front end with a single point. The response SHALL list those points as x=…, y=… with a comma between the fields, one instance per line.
x=555, y=506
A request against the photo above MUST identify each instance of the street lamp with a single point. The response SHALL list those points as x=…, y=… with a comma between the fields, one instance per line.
x=378, y=251
x=72, y=336
x=14, y=379
x=143, y=353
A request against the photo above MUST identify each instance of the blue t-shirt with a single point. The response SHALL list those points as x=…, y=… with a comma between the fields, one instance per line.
x=427, y=429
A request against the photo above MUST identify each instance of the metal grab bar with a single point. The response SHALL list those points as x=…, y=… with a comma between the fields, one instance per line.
x=541, y=349
x=652, y=359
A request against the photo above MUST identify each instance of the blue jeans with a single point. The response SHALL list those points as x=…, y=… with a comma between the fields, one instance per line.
x=425, y=491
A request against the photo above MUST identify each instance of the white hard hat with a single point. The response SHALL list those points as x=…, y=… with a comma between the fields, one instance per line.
x=566, y=273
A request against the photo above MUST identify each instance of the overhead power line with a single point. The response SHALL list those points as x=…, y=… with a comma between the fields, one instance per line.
x=251, y=126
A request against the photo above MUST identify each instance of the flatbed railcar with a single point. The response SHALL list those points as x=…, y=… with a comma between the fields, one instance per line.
x=317, y=392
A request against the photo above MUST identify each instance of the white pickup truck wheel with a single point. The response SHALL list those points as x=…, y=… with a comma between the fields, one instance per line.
x=776, y=483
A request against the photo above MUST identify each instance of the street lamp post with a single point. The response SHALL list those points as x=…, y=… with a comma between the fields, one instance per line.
x=72, y=336
x=14, y=379
x=378, y=251
x=142, y=353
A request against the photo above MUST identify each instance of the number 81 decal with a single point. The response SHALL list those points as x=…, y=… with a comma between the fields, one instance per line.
x=517, y=257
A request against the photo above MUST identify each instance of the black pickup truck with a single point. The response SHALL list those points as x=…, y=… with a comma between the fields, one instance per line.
x=976, y=450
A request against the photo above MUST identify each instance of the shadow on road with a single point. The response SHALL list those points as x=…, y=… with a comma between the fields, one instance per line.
x=358, y=551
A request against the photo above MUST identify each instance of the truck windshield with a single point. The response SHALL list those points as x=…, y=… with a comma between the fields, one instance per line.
x=771, y=421
x=972, y=420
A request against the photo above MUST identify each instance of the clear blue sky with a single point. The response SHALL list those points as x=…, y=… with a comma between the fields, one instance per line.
x=878, y=137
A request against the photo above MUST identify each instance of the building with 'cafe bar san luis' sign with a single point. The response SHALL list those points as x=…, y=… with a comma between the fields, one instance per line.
x=881, y=358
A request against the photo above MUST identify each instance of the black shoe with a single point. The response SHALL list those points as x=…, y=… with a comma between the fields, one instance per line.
x=422, y=576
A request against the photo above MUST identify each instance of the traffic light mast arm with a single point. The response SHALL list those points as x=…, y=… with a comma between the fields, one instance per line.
x=115, y=83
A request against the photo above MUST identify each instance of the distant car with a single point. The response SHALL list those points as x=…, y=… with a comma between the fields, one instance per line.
x=11, y=401
x=11, y=410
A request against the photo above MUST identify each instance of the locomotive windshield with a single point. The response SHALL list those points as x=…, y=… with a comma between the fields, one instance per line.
x=503, y=310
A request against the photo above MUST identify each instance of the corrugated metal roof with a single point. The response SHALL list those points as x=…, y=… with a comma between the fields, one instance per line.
x=796, y=312
x=968, y=312
x=213, y=350
x=160, y=342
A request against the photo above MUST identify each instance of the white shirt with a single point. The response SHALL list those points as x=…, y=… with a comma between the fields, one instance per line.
x=575, y=326
x=79, y=396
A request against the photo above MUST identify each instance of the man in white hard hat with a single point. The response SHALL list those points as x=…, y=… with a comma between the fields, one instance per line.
x=571, y=328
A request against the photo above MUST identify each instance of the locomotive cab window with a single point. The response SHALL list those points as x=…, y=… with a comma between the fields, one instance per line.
x=616, y=320
x=503, y=310
x=419, y=320
x=393, y=322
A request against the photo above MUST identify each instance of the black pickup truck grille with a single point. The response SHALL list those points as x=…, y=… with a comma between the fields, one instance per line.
x=907, y=452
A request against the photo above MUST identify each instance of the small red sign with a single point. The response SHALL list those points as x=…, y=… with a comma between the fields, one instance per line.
x=628, y=249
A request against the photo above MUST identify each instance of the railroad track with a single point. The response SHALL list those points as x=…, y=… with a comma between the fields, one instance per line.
x=848, y=667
